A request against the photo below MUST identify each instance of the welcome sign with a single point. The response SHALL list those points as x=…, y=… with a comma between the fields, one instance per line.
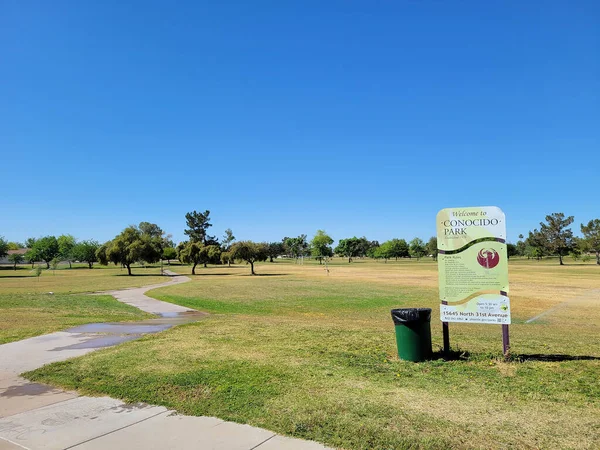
x=473, y=265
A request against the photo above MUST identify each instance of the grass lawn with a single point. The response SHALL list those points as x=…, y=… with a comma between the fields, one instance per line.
x=314, y=356
x=26, y=308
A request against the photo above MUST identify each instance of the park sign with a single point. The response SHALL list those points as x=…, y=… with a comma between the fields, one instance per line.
x=473, y=265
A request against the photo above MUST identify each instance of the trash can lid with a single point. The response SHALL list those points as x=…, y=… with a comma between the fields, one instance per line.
x=408, y=315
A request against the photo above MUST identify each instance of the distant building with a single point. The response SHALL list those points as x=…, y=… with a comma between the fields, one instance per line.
x=21, y=251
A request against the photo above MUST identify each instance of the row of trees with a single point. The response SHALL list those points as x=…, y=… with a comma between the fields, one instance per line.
x=148, y=242
x=555, y=238
x=51, y=250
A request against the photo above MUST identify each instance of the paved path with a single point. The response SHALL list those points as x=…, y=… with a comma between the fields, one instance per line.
x=36, y=416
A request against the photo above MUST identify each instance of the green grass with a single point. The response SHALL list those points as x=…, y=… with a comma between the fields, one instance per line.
x=314, y=356
x=28, y=315
x=27, y=309
x=79, y=279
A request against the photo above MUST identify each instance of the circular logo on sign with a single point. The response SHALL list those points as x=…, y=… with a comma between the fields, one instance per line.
x=488, y=258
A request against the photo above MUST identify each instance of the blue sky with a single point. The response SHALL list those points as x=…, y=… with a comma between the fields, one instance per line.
x=360, y=118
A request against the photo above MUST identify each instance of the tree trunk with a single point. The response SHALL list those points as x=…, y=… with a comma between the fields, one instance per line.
x=598, y=258
x=205, y=265
x=91, y=264
x=47, y=265
x=252, y=268
x=560, y=259
x=349, y=259
x=16, y=265
x=128, y=269
x=70, y=266
x=194, y=269
x=229, y=263
x=168, y=262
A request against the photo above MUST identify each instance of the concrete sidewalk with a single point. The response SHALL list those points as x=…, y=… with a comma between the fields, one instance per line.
x=35, y=416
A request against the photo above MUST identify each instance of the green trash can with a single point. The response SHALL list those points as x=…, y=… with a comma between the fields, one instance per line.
x=413, y=333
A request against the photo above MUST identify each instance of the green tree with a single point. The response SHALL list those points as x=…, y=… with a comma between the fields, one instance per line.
x=15, y=245
x=384, y=251
x=198, y=224
x=228, y=239
x=591, y=236
x=297, y=246
x=15, y=258
x=417, y=248
x=320, y=246
x=399, y=249
x=274, y=249
x=511, y=250
x=227, y=257
x=169, y=253
x=432, y=247
x=249, y=251
x=30, y=242
x=86, y=251
x=54, y=264
x=349, y=248
x=130, y=246
x=3, y=247
x=195, y=253
x=536, y=245
x=46, y=249
x=66, y=243
x=558, y=238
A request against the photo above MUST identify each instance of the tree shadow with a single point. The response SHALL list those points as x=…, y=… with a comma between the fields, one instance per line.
x=269, y=274
x=218, y=274
x=553, y=358
x=138, y=275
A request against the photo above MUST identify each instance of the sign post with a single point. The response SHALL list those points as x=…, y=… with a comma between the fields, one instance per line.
x=473, y=269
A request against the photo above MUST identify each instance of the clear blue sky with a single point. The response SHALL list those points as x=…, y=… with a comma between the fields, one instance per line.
x=360, y=118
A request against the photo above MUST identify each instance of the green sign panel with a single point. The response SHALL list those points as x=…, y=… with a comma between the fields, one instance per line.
x=473, y=265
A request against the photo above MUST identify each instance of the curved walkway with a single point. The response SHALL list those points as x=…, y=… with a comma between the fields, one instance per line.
x=36, y=416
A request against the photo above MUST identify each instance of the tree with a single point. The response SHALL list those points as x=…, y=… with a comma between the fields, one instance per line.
x=15, y=245
x=30, y=242
x=591, y=236
x=15, y=258
x=535, y=245
x=558, y=238
x=66, y=243
x=417, y=247
x=86, y=251
x=349, y=248
x=297, y=246
x=399, y=249
x=46, y=249
x=274, y=249
x=511, y=250
x=3, y=247
x=227, y=240
x=198, y=223
x=384, y=251
x=250, y=252
x=227, y=257
x=320, y=246
x=169, y=253
x=432, y=247
x=195, y=253
x=132, y=245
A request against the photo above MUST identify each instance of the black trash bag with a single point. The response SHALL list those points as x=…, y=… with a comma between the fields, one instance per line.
x=411, y=315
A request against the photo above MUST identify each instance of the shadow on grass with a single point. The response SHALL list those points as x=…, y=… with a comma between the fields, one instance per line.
x=268, y=275
x=453, y=355
x=553, y=358
x=138, y=275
